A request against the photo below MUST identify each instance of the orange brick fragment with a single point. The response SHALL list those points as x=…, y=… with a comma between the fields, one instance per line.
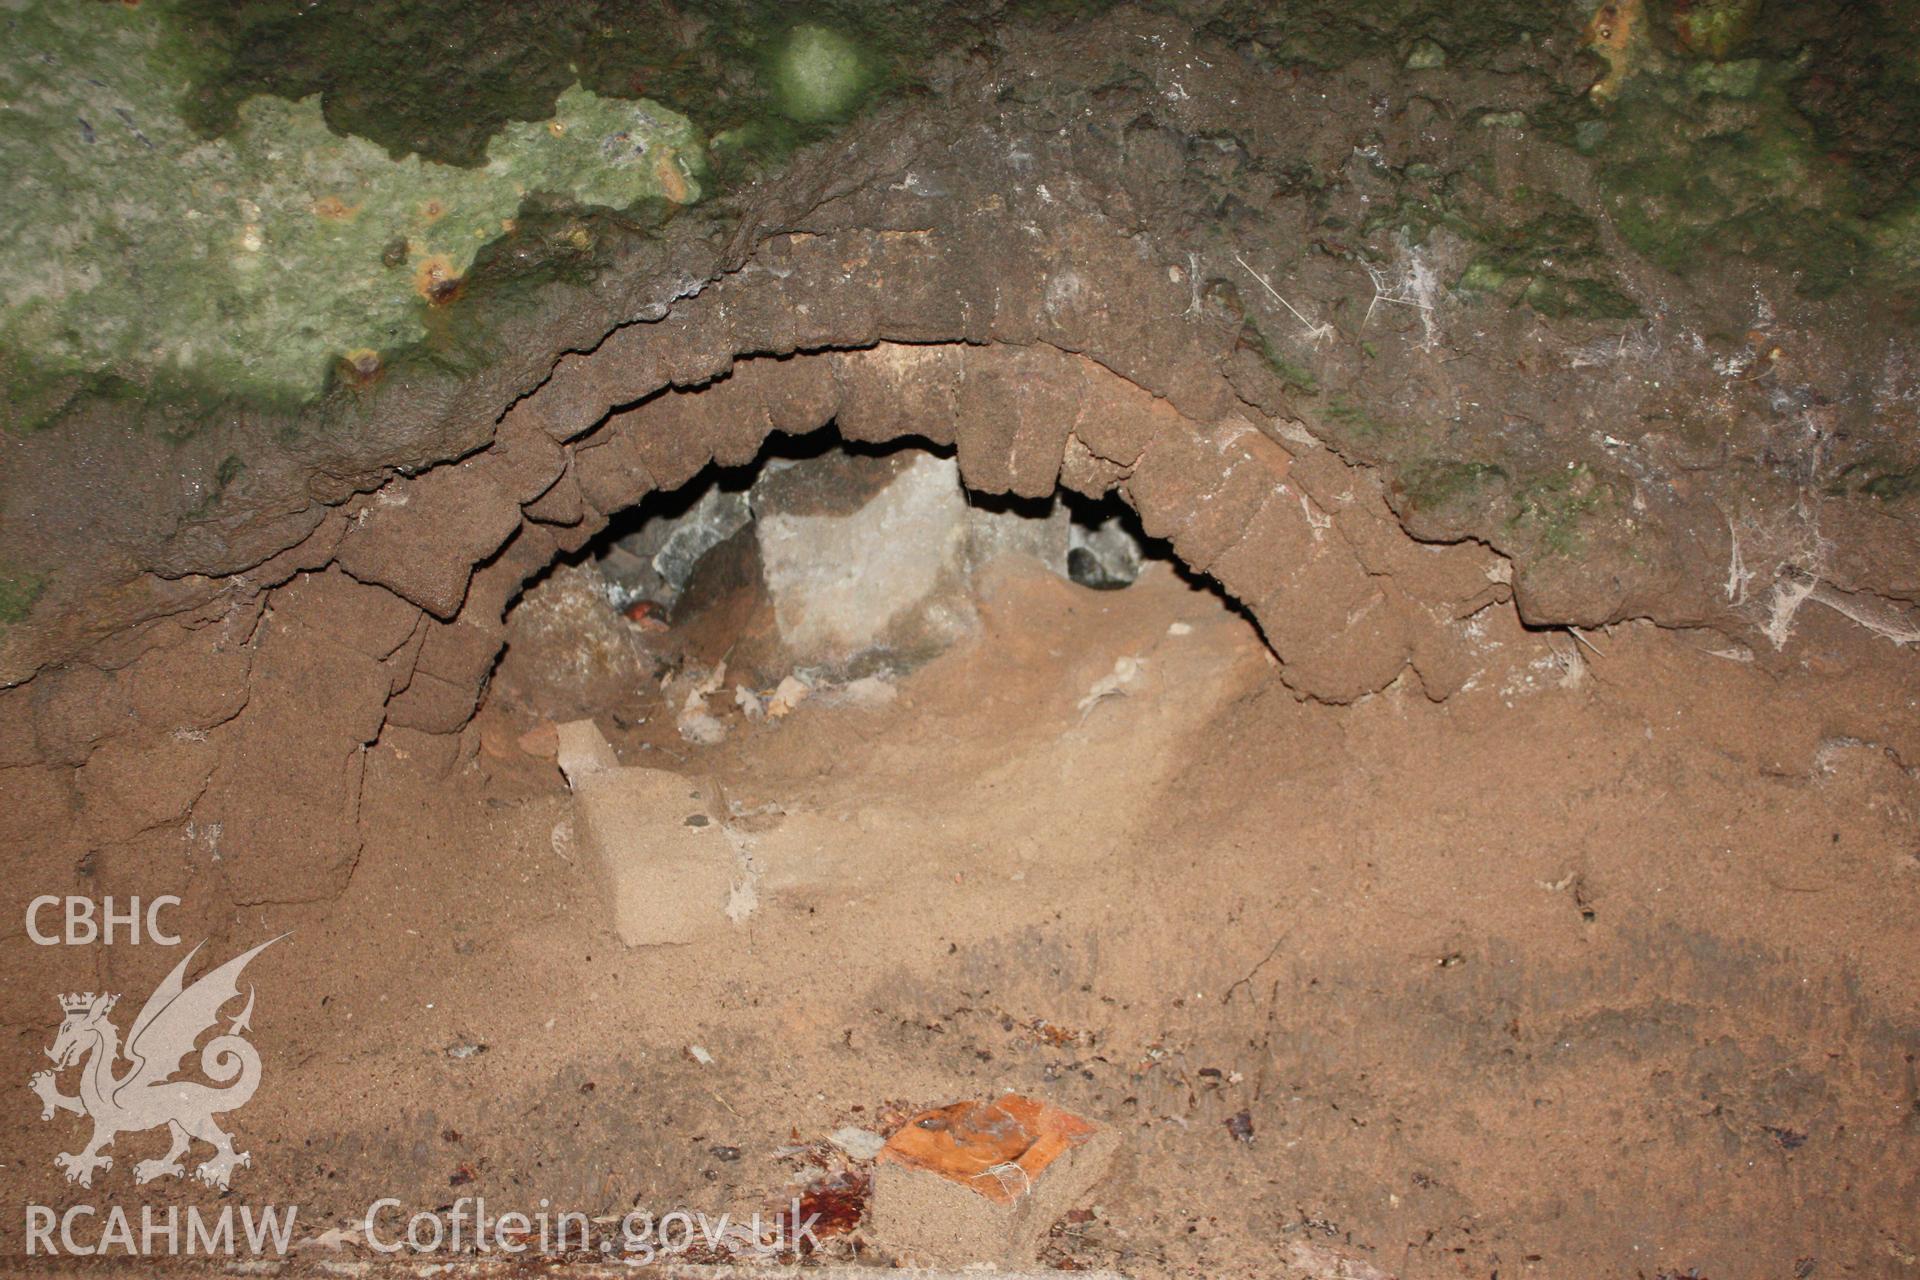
x=998, y=1149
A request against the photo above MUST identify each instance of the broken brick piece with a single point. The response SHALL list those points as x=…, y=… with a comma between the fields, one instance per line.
x=983, y=1181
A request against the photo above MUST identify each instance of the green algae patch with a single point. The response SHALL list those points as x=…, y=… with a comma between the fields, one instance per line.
x=819, y=73
x=256, y=261
x=1290, y=372
x=1787, y=134
x=1558, y=297
x=1447, y=498
x=1896, y=237
x=17, y=594
x=1329, y=34
x=1450, y=483
x=1355, y=425
x=1712, y=28
x=1695, y=169
x=1876, y=477
x=1534, y=249
x=1553, y=508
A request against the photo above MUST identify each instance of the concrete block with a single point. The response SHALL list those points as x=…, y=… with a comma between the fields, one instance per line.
x=668, y=864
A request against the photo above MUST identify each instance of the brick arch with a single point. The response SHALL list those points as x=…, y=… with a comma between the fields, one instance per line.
x=1296, y=544
x=383, y=623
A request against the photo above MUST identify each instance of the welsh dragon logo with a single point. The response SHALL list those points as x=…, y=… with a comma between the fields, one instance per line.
x=143, y=1096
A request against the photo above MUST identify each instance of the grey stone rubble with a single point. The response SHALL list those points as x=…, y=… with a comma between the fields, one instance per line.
x=863, y=553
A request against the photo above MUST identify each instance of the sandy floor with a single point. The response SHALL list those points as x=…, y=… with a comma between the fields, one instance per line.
x=1604, y=966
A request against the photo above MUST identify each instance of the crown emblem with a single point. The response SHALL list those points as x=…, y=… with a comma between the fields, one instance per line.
x=80, y=1002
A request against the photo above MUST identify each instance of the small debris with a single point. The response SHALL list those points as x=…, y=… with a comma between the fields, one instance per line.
x=461, y=1050
x=727, y=1154
x=1789, y=1139
x=751, y=705
x=1106, y=557
x=1240, y=1125
x=699, y=726
x=860, y=1144
x=699, y=1055
x=541, y=742
x=1125, y=671
x=695, y=722
x=742, y=901
x=583, y=750
x=647, y=615
x=496, y=739
x=1180, y=629
x=1322, y=1262
x=791, y=692
x=693, y=682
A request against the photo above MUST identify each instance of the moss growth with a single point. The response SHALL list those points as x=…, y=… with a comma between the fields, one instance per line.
x=1856, y=80
x=1877, y=478
x=1557, y=297
x=1892, y=484
x=1741, y=80
x=1688, y=180
x=17, y=594
x=1712, y=28
x=1483, y=276
x=1446, y=484
x=1294, y=375
x=1553, y=507
x=1802, y=153
x=1332, y=33
x=1550, y=259
x=1895, y=237
x=250, y=263
x=1356, y=423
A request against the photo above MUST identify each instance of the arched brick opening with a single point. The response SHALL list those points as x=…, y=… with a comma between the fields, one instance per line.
x=389, y=622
